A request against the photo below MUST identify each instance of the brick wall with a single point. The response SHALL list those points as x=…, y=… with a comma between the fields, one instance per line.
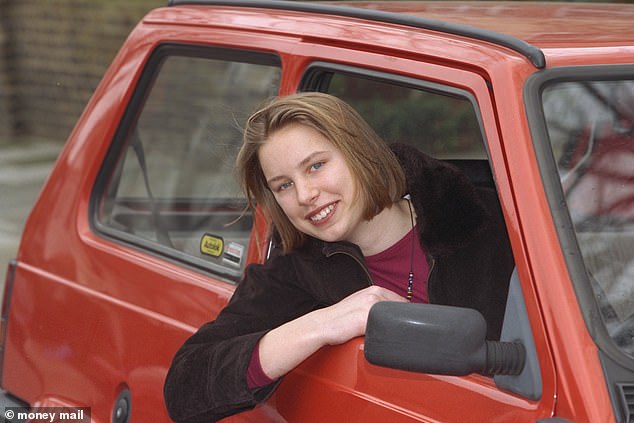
x=52, y=56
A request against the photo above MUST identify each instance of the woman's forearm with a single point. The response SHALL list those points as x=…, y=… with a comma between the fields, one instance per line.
x=284, y=348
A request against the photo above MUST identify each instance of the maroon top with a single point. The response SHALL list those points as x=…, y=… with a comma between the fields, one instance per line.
x=390, y=268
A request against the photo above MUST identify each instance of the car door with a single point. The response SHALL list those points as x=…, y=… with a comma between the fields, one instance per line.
x=448, y=114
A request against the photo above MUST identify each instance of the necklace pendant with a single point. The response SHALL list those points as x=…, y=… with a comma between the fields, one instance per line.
x=410, y=286
x=410, y=279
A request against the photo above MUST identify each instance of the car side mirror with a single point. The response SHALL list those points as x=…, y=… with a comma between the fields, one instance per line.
x=437, y=339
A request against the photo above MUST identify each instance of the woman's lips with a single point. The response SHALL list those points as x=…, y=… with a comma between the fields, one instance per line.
x=322, y=215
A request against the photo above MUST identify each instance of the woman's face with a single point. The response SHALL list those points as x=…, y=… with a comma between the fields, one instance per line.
x=312, y=183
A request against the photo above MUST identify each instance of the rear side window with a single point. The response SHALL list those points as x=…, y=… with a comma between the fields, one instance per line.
x=168, y=185
x=591, y=130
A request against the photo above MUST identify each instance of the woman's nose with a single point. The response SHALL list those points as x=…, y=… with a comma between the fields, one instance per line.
x=307, y=193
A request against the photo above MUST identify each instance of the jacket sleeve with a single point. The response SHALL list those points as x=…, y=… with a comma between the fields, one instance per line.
x=207, y=378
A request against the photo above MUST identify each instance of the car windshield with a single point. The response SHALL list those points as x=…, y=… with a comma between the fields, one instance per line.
x=591, y=128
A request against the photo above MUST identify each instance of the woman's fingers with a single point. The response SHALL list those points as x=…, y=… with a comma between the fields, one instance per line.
x=347, y=319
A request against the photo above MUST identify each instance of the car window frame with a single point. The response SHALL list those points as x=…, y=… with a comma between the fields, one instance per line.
x=149, y=72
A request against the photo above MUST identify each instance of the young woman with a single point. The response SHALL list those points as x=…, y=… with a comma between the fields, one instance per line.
x=358, y=222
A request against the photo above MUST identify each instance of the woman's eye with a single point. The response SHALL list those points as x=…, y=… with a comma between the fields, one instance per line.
x=285, y=186
x=316, y=166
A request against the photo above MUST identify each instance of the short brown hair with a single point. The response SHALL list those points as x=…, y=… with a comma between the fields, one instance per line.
x=378, y=176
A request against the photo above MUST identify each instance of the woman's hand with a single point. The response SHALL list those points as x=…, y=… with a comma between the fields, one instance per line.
x=285, y=347
x=348, y=318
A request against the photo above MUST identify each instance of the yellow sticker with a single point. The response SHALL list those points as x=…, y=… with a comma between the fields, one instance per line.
x=211, y=245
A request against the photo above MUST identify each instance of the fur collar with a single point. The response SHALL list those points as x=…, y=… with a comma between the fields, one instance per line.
x=450, y=212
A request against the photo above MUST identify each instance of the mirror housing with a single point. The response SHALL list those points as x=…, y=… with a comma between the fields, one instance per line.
x=437, y=339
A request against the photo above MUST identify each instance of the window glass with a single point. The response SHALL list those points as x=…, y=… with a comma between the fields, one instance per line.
x=172, y=188
x=591, y=129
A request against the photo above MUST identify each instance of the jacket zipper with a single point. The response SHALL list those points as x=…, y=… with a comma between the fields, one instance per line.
x=359, y=262
x=432, y=267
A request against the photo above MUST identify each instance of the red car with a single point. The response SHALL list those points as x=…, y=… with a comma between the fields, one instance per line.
x=138, y=236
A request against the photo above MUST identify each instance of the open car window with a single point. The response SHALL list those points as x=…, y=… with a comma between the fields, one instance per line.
x=168, y=185
x=442, y=121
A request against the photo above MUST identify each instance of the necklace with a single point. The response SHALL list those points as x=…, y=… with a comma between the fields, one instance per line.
x=410, y=279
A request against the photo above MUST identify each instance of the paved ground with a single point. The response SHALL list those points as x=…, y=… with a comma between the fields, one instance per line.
x=23, y=170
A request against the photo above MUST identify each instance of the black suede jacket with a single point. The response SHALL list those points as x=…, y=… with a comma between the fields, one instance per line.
x=459, y=226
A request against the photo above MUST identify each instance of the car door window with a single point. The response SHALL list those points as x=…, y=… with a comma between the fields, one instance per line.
x=440, y=120
x=168, y=185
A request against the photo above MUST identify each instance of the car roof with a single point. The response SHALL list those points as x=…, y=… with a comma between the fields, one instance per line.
x=542, y=24
x=534, y=29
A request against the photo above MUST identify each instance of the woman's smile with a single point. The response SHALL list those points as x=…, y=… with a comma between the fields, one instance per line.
x=322, y=216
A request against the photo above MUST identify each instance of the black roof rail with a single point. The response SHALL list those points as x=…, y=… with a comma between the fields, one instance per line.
x=531, y=52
